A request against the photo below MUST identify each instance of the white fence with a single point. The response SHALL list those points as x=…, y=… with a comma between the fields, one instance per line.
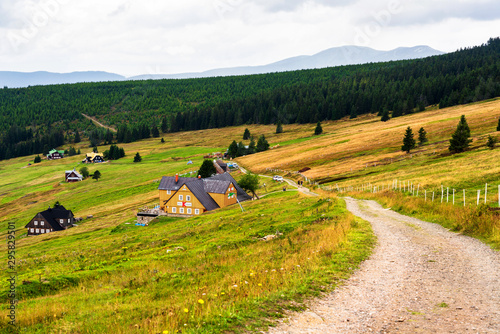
x=443, y=195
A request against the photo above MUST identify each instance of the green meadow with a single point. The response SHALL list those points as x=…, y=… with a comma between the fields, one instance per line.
x=207, y=274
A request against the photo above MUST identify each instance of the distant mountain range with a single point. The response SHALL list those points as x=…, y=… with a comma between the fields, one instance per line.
x=345, y=55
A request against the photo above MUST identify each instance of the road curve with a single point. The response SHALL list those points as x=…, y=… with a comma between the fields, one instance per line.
x=421, y=278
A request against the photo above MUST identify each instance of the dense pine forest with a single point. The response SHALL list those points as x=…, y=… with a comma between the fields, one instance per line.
x=38, y=118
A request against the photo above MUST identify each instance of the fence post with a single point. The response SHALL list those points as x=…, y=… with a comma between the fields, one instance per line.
x=418, y=188
x=478, y=194
x=485, y=192
x=426, y=195
x=453, y=196
x=447, y=194
x=442, y=193
x=433, y=196
x=464, y=197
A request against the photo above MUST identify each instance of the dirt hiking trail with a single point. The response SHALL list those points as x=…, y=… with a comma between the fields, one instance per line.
x=421, y=278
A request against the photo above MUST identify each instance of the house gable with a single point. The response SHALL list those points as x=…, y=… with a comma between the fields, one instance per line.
x=50, y=220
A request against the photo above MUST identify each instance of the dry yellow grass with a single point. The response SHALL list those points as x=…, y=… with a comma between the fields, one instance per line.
x=351, y=147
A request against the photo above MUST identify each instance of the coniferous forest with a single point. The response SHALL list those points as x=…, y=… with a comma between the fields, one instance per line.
x=39, y=118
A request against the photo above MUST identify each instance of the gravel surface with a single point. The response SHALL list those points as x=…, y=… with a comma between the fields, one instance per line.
x=421, y=278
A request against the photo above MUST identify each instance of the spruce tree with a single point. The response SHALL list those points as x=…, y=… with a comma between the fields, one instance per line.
x=385, y=116
x=460, y=138
x=37, y=159
x=251, y=146
x=319, y=129
x=246, y=134
x=279, y=127
x=408, y=141
x=241, y=150
x=498, y=126
x=207, y=169
x=422, y=137
x=77, y=137
x=233, y=149
x=164, y=124
x=137, y=157
x=155, y=131
x=262, y=144
x=491, y=142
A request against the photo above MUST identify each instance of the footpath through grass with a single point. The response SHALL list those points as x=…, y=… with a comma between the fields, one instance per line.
x=208, y=274
x=476, y=221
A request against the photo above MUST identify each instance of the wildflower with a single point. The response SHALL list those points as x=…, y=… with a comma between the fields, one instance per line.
x=273, y=270
x=251, y=274
x=260, y=284
x=298, y=265
x=165, y=332
x=203, y=294
x=186, y=310
x=246, y=282
x=201, y=301
x=235, y=286
x=222, y=293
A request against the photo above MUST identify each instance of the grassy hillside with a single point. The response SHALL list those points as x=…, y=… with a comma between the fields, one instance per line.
x=212, y=273
x=206, y=274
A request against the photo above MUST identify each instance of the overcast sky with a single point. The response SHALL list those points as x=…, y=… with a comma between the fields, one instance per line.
x=132, y=37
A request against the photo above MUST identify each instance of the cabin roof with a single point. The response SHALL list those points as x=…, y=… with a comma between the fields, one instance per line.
x=216, y=186
x=241, y=194
x=51, y=215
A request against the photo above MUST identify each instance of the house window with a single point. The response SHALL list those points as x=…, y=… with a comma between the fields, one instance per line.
x=188, y=198
x=42, y=222
x=174, y=210
x=36, y=222
x=181, y=197
x=168, y=192
x=69, y=220
x=181, y=210
x=37, y=231
x=32, y=230
x=62, y=221
x=196, y=211
x=189, y=211
x=42, y=231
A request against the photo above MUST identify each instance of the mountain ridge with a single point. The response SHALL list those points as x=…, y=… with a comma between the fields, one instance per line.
x=337, y=56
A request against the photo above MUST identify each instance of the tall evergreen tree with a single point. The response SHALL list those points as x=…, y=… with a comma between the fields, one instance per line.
x=242, y=150
x=77, y=137
x=109, y=137
x=460, y=138
x=137, y=157
x=246, y=134
x=233, y=149
x=207, y=169
x=262, y=144
x=408, y=141
x=155, y=131
x=164, y=124
x=318, y=130
x=491, y=142
x=251, y=146
x=279, y=127
x=37, y=159
x=422, y=137
x=498, y=126
x=385, y=116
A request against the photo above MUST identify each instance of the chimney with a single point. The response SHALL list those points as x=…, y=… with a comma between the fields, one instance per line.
x=176, y=178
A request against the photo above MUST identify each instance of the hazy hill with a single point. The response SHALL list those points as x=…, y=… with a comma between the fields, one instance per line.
x=25, y=79
x=345, y=55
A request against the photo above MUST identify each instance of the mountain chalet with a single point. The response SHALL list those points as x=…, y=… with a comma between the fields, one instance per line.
x=184, y=196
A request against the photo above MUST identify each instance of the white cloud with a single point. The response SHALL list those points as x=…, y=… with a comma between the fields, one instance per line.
x=134, y=37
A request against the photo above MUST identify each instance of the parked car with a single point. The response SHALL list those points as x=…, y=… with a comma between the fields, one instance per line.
x=278, y=178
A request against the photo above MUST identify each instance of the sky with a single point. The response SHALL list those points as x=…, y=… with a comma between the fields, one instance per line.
x=132, y=37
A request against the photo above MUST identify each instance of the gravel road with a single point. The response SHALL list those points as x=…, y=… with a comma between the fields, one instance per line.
x=421, y=278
